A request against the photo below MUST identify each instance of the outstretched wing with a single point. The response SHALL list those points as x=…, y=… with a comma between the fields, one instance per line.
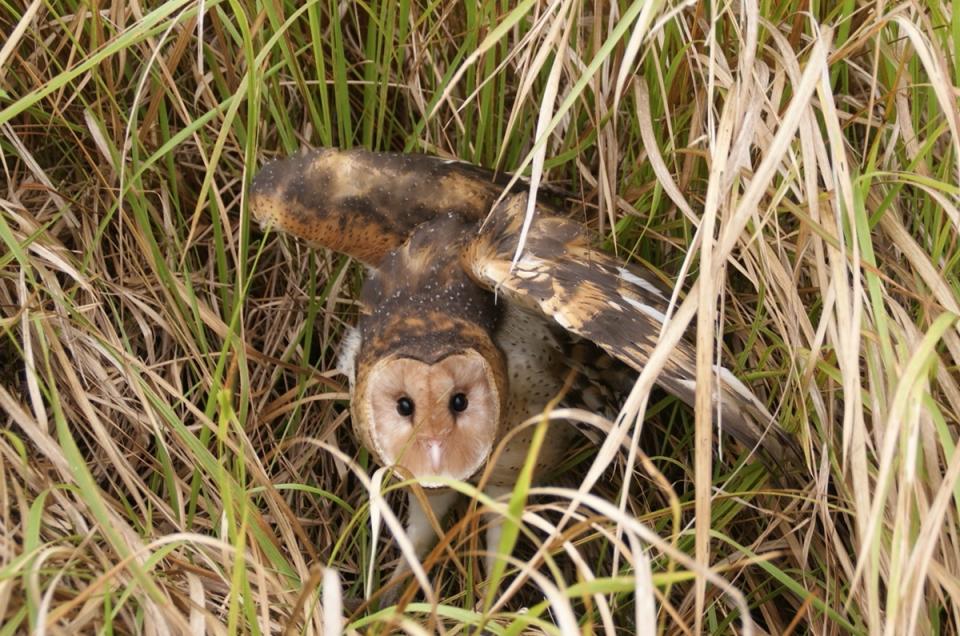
x=619, y=308
x=364, y=203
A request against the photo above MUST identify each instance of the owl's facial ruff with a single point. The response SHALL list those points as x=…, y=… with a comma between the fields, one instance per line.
x=436, y=418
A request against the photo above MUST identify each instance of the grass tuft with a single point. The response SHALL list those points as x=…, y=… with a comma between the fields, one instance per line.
x=174, y=448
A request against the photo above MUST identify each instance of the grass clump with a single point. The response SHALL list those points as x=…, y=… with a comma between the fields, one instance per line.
x=173, y=448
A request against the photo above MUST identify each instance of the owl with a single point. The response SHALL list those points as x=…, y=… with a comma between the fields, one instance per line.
x=456, y=345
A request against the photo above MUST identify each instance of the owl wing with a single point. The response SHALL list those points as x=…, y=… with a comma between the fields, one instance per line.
x=618, y=307
x=366, y=204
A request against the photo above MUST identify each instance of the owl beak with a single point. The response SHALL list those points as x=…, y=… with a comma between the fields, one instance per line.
x=435, y=451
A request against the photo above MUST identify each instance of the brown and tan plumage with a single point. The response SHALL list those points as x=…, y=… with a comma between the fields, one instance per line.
x=427, y=335
x=366, y=204
x=454, y=345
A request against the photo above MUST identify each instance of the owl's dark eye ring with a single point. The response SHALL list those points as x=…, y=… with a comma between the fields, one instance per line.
x=405, y=406
x=458, y=403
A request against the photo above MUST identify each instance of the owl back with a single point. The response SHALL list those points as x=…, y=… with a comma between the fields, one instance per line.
x=421, y=303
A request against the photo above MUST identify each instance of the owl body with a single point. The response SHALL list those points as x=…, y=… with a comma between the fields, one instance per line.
x=421, y=306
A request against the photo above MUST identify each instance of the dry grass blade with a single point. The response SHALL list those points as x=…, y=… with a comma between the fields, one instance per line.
x=556, y=39
x=175, y=448
x=14, y=36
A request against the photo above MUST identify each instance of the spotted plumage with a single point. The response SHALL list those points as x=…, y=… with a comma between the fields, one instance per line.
x=617, y=306
x=449, y=320
x=420, y=303
x=366, y=204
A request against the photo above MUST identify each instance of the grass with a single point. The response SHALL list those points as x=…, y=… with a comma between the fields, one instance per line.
x=175, y=453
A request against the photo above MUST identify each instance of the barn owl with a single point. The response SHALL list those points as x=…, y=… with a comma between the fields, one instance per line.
x=456, y=345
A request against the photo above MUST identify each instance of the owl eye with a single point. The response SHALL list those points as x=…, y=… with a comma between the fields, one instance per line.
x=458, y=403
x=405, y=406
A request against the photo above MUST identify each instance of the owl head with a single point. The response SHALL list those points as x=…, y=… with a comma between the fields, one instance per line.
x=429, y=381
x=431, y=417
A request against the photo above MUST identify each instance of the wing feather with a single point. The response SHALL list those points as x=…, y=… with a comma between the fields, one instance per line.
x=364, y=203
x=619, y=308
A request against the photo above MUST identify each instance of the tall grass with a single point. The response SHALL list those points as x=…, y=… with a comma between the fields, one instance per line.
x=175, y=454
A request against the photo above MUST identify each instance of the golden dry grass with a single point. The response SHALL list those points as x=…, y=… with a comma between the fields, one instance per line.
x=174, y=455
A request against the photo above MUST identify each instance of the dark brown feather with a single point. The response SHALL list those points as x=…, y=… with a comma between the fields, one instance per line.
x=364, y=203
x=619, y=308
x=421, y=303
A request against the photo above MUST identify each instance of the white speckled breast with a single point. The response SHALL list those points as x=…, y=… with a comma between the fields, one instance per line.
x=536, y=371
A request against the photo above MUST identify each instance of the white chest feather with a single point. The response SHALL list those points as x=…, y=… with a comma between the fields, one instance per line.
x=347, y=360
